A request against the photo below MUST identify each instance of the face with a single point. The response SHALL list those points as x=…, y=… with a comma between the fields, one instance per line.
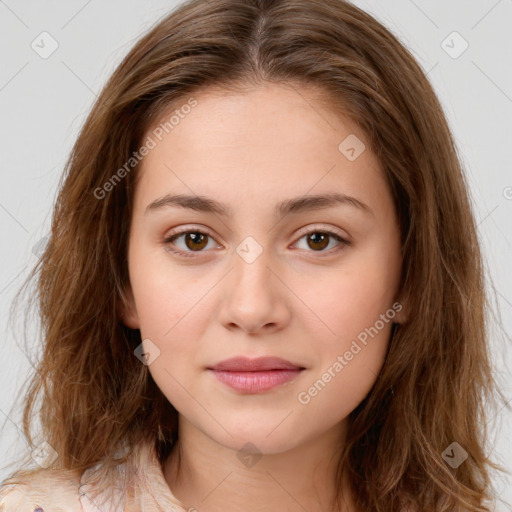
x=259, y=274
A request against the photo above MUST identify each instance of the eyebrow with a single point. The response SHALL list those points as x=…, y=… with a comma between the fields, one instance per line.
x=294, y=205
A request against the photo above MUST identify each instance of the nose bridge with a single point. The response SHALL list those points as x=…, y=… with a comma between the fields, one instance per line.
x=251, y=262
x=251, y=299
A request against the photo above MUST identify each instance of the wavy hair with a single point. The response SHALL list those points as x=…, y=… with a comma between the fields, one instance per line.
x=437, y=378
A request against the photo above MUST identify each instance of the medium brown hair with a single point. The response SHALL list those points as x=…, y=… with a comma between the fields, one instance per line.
x=96, y=396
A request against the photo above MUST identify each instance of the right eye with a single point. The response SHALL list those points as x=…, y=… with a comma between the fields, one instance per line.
x=194, y=241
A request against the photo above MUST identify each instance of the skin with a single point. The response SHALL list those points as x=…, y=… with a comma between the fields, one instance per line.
x=303, y=302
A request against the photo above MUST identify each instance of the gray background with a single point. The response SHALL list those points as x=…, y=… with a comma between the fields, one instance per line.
x=44, y=101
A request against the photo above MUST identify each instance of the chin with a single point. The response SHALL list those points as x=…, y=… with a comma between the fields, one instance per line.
x=257, y=440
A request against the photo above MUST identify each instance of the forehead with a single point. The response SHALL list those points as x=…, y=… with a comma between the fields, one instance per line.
x=277, y=116
x=270, y=141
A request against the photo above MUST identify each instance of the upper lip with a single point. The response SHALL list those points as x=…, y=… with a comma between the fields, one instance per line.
x=246, y=364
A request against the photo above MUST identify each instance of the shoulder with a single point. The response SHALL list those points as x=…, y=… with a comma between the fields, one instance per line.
x=48, y=490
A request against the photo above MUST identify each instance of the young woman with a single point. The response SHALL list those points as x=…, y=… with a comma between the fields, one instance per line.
x=263, y=288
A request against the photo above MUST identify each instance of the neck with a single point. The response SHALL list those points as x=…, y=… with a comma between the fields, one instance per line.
x=210, y=477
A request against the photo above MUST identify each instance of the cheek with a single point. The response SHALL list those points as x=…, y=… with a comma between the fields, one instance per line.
x=334, y=393
x=343, y=302
x=164, y=292
x=361, y=316
x=355, y=308
x=172, y=320
x=171, y=308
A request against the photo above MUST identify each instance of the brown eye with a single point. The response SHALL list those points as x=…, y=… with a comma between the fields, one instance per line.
x=194, y=241
x=319, y=241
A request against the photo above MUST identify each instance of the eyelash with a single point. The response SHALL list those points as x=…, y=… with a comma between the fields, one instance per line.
x=195, y=254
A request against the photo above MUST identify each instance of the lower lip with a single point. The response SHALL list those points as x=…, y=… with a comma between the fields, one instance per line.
x=255, y=382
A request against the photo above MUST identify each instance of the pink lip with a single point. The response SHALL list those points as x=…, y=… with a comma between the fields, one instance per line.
x=255, y=382
x=245, y=364
x=255, y=375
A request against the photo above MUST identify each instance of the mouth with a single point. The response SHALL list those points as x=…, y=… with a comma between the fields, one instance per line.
x=255, y=375
x=246, y=364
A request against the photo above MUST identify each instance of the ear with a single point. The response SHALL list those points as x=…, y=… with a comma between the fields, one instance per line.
x=129, y=314
x=401, y=308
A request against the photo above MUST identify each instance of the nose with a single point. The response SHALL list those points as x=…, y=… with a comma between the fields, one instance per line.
x=254, y=297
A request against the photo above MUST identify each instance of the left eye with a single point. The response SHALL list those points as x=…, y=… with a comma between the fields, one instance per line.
x=196, y=241
x=320, y=240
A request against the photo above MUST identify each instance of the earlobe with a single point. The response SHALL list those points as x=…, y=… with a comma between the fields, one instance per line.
x=129, y=314
x=401, y=312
